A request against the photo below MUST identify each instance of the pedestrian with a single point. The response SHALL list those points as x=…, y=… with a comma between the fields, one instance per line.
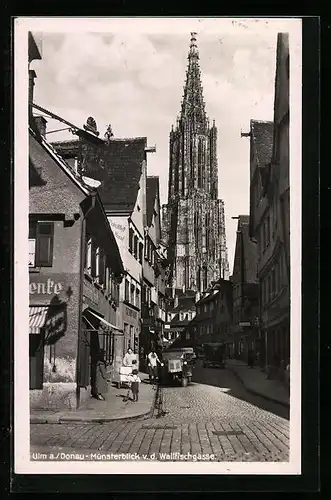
x=135, y=381
x=251, y=358
x=129, y=357
x=152, y=361
x=101, y=379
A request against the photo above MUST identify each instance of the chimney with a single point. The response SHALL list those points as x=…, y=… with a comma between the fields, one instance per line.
x=41, y=123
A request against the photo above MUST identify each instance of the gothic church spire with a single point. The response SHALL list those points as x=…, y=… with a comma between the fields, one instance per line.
x=193, y=106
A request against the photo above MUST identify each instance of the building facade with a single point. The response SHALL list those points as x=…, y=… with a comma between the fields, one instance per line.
x=212, y=320
x=121, y=168
x=180, y=312
x=245, y=292
x=193, y=219
x=153, y=306
x=75, y=270
x=273, y=232
x=261, y=141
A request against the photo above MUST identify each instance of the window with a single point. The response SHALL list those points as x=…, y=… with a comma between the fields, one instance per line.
x=132, y=336
x=131, y=236
x=146, y=249
x=41, y=236
x=110, y=282
x=101, y=267
x=97, y=262
x=188, y=336
x=141, y=252
x=88, y=255
x=132, y=295
x=93, y=259
x=32, y=252
x=137, y=297
x=106, y=283
x=135, y=249
x=127, y=289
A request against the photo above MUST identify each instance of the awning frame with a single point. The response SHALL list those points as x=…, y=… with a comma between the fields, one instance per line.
x=100, y=318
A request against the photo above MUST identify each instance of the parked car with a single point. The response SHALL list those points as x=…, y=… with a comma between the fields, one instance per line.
x=178, y=365
x=214, y=355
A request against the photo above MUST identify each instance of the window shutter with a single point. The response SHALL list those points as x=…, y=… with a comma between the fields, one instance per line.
x=140, y=252
x=130, y=240
x=146, y=248
x=135, y=250
x=94, y=259
x=45, y=233
x=102, y=268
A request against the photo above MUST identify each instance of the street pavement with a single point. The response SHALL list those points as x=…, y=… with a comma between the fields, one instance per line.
x=214, y=418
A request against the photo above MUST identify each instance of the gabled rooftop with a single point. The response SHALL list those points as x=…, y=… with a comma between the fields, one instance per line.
x=152, y=190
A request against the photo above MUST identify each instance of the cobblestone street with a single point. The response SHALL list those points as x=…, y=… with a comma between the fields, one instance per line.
x=219, y=419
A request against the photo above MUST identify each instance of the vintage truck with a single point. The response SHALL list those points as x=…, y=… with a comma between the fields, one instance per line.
x=214, y=355
x=178, y=365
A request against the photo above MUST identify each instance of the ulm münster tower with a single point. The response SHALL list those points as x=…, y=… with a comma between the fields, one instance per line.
x=193, y=219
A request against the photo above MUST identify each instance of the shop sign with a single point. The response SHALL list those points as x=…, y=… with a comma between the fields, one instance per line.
x=47, y=287
x=56, y=323
x=118, y=229
x=130, y=313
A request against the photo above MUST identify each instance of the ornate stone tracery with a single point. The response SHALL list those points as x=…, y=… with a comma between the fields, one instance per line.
x=193, y=191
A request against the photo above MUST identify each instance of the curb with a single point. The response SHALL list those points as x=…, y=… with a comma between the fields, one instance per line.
x=256, y=393
x=95, y=420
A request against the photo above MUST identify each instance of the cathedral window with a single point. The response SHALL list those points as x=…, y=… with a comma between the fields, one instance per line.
x=199, y=163
x=205, y=279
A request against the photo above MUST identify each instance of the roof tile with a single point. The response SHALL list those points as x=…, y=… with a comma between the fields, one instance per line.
x=262, y=135
x=152, y=189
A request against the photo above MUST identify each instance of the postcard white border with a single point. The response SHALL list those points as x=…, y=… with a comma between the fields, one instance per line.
x=22, y=464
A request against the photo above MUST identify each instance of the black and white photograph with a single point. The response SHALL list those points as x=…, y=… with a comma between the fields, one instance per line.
x=157, y=243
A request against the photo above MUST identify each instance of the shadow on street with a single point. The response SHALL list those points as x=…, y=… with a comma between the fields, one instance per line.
x=232, y=385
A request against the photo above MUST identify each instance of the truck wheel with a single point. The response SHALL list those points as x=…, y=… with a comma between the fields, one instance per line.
x=184, y=381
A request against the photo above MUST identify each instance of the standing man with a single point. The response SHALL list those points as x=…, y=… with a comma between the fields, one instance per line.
x=152, y=361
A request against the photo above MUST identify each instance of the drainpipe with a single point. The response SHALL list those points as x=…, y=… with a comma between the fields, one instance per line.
x=80, y=304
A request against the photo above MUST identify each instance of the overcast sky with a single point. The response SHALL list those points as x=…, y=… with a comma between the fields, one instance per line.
x=134, y=81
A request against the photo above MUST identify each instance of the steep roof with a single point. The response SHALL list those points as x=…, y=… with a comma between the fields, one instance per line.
x=262, y=136
x=152, y=189
x=186, y=303
x=250, y=254
x=123, y=166
x=75, y=178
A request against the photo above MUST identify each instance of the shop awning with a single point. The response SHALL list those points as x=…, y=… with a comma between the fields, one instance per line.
x=100, y=318
x=37, y=318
